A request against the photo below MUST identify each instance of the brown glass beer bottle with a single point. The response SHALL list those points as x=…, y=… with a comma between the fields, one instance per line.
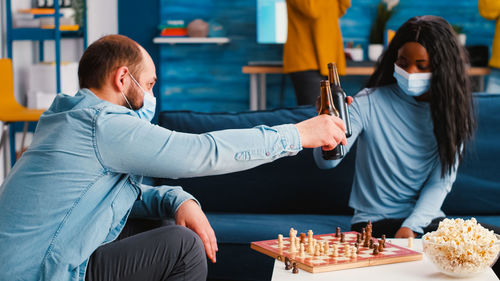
x=327, y=107
x=339, y=97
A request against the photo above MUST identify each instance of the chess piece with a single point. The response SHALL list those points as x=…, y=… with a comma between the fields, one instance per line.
x=280, y=240
x=292, y=248
x=302, y=250
x=363, y=233
x=410, y=242
x=287, y=263
x=342, y=237
x=358, y=238
x=354, y=254
x=335, y=250
x=302, y=238
x=317, y=250
x=337, y=233
x=370, y=245
x=383, y=240
x=295, y=270
x=375, y=249
x=381, y=246
x=347, y=251
x=358, y=250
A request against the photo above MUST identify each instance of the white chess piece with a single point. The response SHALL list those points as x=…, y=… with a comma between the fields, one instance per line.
x=280, y=240
x=410, y=242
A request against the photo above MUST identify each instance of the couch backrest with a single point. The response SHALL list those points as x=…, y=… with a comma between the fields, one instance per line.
x=296, y=185
x=477, y=187
x=287, y=185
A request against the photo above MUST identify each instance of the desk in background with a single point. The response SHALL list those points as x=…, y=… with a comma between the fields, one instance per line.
x=258, y=78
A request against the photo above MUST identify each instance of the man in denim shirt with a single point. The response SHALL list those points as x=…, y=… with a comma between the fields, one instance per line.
x=68, y=198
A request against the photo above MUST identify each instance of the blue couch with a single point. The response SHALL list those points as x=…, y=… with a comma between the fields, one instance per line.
x=260, y=203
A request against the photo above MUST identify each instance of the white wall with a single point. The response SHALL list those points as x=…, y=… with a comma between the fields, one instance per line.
x=102, y=19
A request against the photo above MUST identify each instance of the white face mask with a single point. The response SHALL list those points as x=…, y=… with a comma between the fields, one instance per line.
x=147, y=111
x=414, y=84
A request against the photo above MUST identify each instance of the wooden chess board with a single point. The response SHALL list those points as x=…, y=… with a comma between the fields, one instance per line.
x=323, y=263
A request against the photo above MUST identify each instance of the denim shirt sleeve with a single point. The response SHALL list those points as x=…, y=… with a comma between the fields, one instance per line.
x=159, y=201
x=127, y=144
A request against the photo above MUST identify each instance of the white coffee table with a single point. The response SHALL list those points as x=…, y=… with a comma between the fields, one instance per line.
x=405, y=271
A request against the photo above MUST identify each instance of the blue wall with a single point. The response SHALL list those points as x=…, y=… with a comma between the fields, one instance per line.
x=208, y=77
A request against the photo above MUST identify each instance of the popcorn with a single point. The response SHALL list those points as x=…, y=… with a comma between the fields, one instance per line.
x=461, y=247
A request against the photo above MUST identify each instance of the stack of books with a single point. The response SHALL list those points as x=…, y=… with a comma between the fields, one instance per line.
x=173, y=28
x=44, y=18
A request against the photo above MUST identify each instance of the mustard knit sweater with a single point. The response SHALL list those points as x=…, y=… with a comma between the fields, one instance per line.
x=490, y=9
x=314, y=37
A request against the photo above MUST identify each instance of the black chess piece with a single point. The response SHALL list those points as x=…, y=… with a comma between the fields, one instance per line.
x=287, y=263
x=295, y=269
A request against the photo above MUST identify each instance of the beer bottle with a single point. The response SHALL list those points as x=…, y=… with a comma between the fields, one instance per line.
x=327, y=107
x=339, y=97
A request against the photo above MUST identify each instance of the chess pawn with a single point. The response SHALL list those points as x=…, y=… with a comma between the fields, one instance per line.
x=381, y=246
x=358, y=238
x=287, y=263
x=354, y=254
x=317, y=250
x=335, y=251
x=325, y=248
x=342, y=237
x=295, y=270
x=375, y=249
x=410, y=242
x=337, y=233
x=347, y=251
x=280, y=240
x=302, y=251
x=371, y=244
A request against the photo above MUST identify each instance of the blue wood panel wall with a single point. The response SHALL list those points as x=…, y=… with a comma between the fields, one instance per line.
x=208, y=77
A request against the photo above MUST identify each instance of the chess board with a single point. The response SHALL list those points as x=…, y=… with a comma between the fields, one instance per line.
x=323, y=263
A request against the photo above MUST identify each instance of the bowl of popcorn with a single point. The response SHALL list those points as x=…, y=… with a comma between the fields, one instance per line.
x=461, y=248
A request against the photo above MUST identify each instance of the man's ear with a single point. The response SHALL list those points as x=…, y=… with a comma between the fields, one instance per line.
x=119, y=78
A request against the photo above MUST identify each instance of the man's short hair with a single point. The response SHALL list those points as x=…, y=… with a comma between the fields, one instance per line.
x=106, y=55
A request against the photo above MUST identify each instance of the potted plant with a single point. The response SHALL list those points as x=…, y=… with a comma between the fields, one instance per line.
x=385, y=10
x=459, y=31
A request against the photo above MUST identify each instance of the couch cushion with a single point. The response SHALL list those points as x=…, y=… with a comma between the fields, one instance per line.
x=287, y=185
x=476, y=190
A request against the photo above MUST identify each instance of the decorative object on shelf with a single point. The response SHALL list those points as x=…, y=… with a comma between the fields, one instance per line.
x=197, y=28
x=354, y=53
x=216, y=29
x=78, y=6
x=173, y=28
x=462, y=38
x=385, y=10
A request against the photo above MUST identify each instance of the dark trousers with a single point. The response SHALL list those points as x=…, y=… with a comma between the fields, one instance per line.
x=389, y=227
x=307, y=86
x=150, y=250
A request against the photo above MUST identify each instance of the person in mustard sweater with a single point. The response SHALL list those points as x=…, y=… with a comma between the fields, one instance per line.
x=490, y=9
x=314, y=40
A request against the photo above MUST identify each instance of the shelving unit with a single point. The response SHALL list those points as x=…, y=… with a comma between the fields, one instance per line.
x=41, y=35
x=191, y=40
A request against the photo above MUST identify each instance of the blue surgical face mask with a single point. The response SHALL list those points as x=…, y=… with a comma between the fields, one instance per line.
x=414, y=84
x=147, y=111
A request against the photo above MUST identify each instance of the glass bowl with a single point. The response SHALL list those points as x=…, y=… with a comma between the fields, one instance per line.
x=463, y=259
